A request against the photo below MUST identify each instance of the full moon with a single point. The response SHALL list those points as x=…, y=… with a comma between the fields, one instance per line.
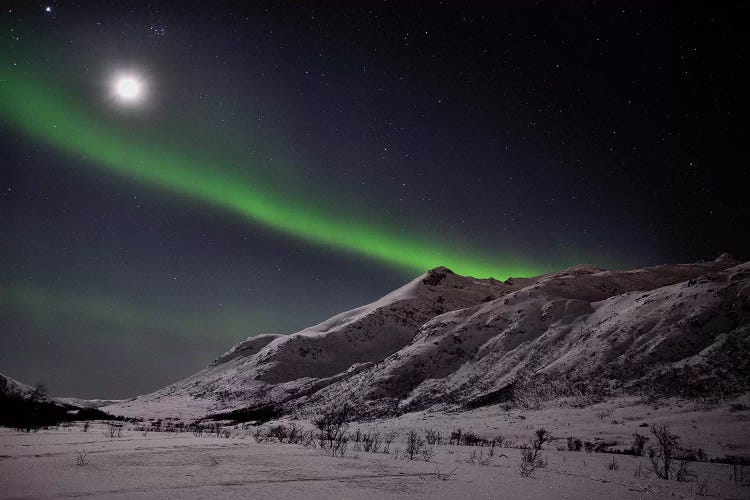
x=128, y=88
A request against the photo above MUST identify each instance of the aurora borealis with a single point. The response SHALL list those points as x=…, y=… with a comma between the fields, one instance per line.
x=289, y=161
x=42, y=113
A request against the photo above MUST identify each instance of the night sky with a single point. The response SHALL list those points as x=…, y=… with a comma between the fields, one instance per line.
x=286, y=161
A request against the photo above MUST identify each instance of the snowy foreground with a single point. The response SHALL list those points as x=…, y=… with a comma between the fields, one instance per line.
x=181, y=465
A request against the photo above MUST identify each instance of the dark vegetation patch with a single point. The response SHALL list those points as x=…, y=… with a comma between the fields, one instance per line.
x=435, y=276
x=502, y=395
x=256, y=414
x=31, y=412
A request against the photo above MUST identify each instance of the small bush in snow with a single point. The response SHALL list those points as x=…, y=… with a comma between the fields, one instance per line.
x=531, y=458
x=294, y=434
x=475, y=458
x=332, y=424
x=339, y=446
x=113, y=430
x=278, y=432
x=308, y=439
x=371, y=442
x=259, y=436
x=387, y=440
x=574, y=444
x=427, y=453
x=82, y=458
x=639, y=443
x=663, y=456
x=433, y=437
x=414, y=444
x=356, y=438
x=703, y=486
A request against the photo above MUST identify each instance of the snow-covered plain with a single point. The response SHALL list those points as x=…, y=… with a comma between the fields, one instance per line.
x=160, y=465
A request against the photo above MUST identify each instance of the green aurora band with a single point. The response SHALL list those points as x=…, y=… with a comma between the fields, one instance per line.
x=47, y=114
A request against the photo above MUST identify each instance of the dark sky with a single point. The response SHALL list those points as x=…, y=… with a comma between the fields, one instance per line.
x=291, y=160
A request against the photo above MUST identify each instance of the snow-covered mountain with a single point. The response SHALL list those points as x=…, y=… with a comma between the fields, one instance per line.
x=445, y=339
x=11, y=386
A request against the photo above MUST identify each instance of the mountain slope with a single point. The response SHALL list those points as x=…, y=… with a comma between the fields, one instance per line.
x=446, y=339
x=570, y=327
x=11, y=386
x=276, y=368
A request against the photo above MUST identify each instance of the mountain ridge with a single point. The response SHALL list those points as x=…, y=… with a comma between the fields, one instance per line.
x=443, y=339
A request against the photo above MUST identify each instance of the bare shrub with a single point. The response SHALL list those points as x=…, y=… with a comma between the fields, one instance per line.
x=531, y=458
x=683, y=472
x=295, y=434
x=357, y=438
x=475, y=458
x=455, y=438
x=613, y=465
x=259, y=436
x=603, y=414
x=663, y=454
x=210, y=429
x=308, y=439
x=541, y=437
x=387, y=440
x=113, y=430
x=339, y=446
x=82, y=458
x=703, y=486
x=414, y=445
x=39, y=393
x=638, y=470
x=278, y=432
x=738, y=472
x=468, y=438
x=427, y=453
x=471, y=439
x=371, y=442
x=433, y=437
x=574, y=444
x=332, y=424
x=603, y=446
x=639, y=444
x=530, y=462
